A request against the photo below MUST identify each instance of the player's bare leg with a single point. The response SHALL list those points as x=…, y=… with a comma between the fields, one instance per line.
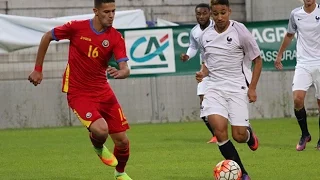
x=226, y=147
x=98, y=136
x=121, y=152
x=301, y=115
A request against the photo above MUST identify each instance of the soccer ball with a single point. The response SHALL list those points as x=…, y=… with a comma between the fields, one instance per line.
x=227, y=170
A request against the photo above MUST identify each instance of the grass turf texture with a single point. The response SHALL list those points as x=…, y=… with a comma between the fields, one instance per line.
x=158, y=152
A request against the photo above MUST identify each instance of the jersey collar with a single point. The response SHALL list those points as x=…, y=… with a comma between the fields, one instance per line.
x=95, y=31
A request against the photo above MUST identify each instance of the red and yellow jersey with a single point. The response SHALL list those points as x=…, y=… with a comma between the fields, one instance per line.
x=89, y=54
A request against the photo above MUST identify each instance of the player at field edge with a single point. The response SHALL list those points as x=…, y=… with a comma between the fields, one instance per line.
x=92, y=44
x=203, y=18
x=229, y=50
x=305, y=21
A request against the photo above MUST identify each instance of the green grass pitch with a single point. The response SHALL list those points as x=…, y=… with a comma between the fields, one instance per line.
x=173, y=151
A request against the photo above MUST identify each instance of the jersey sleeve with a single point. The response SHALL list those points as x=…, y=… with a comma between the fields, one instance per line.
x=292, y=26
x=193, y=46
x=193, y=43
x=191, y=52
x=247, y=42
x=64, y=31
x=119, y=49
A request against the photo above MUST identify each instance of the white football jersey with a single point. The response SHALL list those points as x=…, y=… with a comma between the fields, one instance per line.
x=194, y=37
x=307, y=27
x=228, y=56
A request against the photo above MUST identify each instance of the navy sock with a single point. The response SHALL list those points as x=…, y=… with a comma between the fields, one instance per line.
x=301, y=116
x=208, y=125
x=229, y=152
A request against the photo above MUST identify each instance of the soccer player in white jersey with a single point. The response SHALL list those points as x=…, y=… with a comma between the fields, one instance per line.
x=203, y=18
x=305, y=21
x=229, y=51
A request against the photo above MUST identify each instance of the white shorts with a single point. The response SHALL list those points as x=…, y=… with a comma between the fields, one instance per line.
x=233, y=106
x=202, y=86
x=304, y=77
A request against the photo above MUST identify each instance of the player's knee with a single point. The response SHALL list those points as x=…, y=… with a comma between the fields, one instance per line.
x=240, y=136
x=122, y=143
x=99, y=128
x=298, y=101
x=101, y=131
x=221, y=134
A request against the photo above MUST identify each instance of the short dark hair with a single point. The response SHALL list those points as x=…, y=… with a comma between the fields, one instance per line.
x=202, y=5
x=219, y=2
x=97, y=3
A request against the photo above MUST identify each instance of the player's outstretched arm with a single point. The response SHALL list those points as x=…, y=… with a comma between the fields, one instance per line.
x=255, y=78
x=192, y=50
x=285, y=43
x=292, y=29
x=43, y=47
x=122, y=73
x=36, y=75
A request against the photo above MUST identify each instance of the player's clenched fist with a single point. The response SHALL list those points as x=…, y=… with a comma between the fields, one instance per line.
x=35, y=77
x=277, y=63
x=199, y=76
x=184, y=57
x=252, y=95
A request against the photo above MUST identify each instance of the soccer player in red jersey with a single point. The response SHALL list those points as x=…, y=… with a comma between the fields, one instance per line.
x=92, y=44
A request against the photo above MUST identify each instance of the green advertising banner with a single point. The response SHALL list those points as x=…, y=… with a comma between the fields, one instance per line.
x=269, y=36
x=156, y=51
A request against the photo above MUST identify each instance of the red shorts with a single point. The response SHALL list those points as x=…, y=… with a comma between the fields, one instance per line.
x=89, y=109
